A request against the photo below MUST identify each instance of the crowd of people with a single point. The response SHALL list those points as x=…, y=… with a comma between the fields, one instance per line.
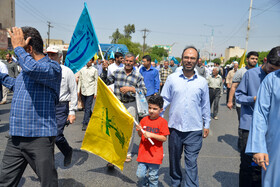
x=46, y=95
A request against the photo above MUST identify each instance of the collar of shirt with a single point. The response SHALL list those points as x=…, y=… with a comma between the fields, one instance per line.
x=189, y=79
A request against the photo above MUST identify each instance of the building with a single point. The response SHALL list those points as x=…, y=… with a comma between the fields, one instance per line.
x=233, y=51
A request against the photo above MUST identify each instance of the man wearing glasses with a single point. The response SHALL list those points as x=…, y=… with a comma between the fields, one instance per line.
x=189, y=117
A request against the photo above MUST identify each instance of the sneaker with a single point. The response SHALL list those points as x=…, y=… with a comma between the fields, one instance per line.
x=110, y=165
x=68, y=158
x=216, y=118
x=84, y=128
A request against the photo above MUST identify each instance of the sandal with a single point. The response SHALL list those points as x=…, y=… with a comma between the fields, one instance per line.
x=110, y=165
x=128, y=159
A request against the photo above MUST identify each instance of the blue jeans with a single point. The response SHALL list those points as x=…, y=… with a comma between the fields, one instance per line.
x=190, y=143
x=152, y=178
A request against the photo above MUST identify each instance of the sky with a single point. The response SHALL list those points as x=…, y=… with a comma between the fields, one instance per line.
x=171, y=22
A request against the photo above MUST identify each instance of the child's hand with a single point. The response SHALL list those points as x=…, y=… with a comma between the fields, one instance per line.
x=148, y=134
x=138, y=127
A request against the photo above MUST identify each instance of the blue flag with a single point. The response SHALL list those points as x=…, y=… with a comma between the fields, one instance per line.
x=156, y=61
x=205, y=63
x=84, y=43
x=112, y=55
x=175, y=60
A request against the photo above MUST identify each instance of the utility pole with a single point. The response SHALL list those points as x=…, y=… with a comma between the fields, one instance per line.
x=248, y=27
x=145, y=31
x=49, y=31
x=212, y=37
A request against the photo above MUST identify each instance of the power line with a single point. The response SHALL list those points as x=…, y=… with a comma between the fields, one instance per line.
x=266, y=9
x=145, y=31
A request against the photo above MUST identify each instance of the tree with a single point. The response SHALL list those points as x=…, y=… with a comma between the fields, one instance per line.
x=116, y=36
x=217, y=60
x=128, y=30
x=135, y=48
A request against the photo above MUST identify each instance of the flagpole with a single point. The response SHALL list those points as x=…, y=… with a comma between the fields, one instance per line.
x=101, y=53
x=150, y=140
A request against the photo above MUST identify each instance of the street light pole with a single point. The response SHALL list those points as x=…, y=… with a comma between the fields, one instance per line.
x=248, y=27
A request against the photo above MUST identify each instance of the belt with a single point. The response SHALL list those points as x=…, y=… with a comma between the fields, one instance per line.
x=127, y=101
x=215, y=88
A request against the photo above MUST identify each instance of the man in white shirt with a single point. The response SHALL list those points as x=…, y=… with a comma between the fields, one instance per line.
x=118, y=63
x=65, y=113
x=87, y=86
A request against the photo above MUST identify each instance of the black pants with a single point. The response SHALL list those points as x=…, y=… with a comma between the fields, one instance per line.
x=249, y=176
x=87, y=100
x=62, y=111
x=38, y=152
x=214, y=95
x=238, y=111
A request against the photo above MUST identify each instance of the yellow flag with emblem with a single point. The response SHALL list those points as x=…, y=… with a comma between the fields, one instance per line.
x=109, y=129
x=242, y=60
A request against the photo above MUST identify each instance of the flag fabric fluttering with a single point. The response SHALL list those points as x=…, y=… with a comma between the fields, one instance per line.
x=96, y=56
x=112, y=55
x=242, y=60
x=175, y=60
x=205, y=63
x=109, y=129
x=156, y=61
x=137, y=57
x=84, y=43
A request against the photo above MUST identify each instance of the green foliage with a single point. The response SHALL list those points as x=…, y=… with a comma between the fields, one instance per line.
x=135, y=48
x=116, y=36
x=4, y=52
x=157, y=53
x=216, y=60
x=128, y=30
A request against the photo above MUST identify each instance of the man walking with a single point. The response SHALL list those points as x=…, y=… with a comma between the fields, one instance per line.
x=32, y=118
x=215, y=83
x=246, y=95
x=164, y=72
x=65, y=113
x=151, y=76
x=189, y=118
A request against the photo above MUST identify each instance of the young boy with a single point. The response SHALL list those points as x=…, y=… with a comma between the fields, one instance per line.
x=150, y=156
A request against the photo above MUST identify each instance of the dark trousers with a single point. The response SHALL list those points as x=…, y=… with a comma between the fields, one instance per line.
x=249, y=176
x=87, y=100
x=238, y=111
x=1, y=93
x=37, y=152
x=62, y=111
x=190, y=143
x=214, y=95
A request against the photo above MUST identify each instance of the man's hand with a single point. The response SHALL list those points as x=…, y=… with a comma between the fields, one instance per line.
x=126, y=89
x=206, y=132
x=160, y=83
x=229, y=105
x=17, y=38
x=261, y=159
x=71, y=118
x=94, y=97
x=255, y=98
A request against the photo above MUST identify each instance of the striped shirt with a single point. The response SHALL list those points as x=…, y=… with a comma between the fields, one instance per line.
x=134, y=79
x=36, y=92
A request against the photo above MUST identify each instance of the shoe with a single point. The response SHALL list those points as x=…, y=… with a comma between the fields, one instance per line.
x=110, y=165
x=216, y=118
x=68, y=158
x=128, y=159
x=3, y=102
x=84, y=128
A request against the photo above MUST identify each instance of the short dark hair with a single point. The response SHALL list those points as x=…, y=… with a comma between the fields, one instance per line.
x=92, y=59
x=273, y=56
x=252, y=53
x=188, y=47
x=156, y=100
x=147, y=57
x=9, y=54
x=118, y=55
x=36, y=40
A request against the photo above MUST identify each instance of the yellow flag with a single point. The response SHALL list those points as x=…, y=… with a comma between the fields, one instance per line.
x=96, y=56
x=109, y=129
x=242, y=60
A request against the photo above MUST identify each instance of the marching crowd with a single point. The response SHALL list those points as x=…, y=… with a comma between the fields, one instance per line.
x=46, y=95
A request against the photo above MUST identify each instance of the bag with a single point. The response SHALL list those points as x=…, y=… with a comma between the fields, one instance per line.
x=142, y=104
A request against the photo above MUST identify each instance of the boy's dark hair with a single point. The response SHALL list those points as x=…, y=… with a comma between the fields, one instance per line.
x=156, y=100
x=147, y=57
x=92, y=59
x=36, y=40
x=254, y=53
x=273, y=56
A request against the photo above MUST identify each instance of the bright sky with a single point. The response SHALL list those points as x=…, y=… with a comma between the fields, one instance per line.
x=177, y=22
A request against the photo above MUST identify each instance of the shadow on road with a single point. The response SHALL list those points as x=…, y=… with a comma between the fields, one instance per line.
x=4, y=127
x=78, y=158
x=229, y=139
x=69, y=183
x=227, y=179
x=4, y=111
x=113, y=172
x=166, y=178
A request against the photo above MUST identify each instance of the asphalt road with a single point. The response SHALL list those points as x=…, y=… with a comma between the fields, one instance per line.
x=218, y=161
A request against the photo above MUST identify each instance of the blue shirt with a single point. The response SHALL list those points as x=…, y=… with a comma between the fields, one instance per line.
x=245, y=93
x=264, y=133
x=36, y=92
x=151, y=80
x=189, y=102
